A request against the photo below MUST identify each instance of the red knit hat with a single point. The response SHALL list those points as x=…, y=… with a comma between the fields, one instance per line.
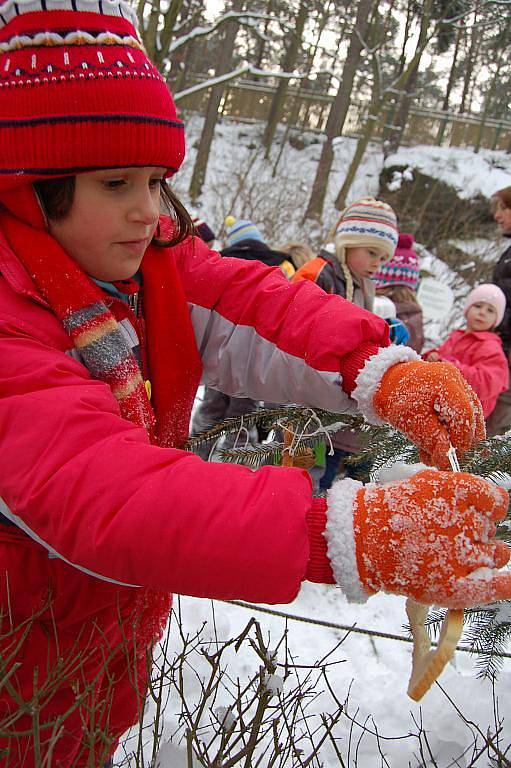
x=78, y=93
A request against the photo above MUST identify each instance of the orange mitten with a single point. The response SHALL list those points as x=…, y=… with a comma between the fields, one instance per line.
x=428, y=537
x=433, y=405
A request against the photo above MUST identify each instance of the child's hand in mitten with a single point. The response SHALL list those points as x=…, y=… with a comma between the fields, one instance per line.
x=428, y=537
x=433, y=405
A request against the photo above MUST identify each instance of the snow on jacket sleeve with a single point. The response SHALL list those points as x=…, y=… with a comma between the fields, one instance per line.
x=262, y=337
x=89, y=487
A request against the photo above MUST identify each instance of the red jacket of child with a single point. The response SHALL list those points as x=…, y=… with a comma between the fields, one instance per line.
x=480, y=358
x=98, y=509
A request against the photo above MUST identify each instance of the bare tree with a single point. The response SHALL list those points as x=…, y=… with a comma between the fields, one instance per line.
x=380, y=97
x=502, y=56
x=224, y=64
x=339, y=109
x=287, y=64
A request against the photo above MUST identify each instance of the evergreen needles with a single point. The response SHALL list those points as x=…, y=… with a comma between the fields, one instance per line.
x=488, y=629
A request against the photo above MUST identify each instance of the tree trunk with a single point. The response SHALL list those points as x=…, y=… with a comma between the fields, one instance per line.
x=262, y=43
x=378, y=103
x=401, y=117
x=288, y=62
x=473, y=53
x=166, y=33
x=452, y=72
x=492, y=89
x=372, y=122
x=292, y=122
x=338, y=111
x=211, y=117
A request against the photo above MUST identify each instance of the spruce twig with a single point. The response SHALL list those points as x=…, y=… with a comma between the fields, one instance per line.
x=488, y=628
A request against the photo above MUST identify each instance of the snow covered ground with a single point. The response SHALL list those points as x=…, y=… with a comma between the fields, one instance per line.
x=375, y=671
x=373, y=678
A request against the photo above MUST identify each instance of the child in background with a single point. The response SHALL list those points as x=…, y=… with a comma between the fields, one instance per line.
x=385, y=308
x=110, y=315
x=300, y=253
x=204, y=231
x=365, y=236
x=244, y=241
x=477, y=351
x=398, y=279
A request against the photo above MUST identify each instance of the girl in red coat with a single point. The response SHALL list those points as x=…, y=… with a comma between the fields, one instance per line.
x=110, y=315
x=477, y=351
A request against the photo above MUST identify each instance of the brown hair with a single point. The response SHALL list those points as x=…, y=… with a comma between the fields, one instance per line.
x=300, y=253
x=504, y=195
x=56, y=196
x=398, y=293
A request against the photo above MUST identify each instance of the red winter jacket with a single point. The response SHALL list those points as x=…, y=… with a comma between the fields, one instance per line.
x=98, y=510
x=480, y=358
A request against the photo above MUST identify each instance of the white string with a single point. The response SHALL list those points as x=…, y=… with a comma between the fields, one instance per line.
x=241, y=429
x=298, y=438
x=213, y=448
x=453, y=459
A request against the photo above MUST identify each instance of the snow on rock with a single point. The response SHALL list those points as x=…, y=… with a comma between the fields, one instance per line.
x=469, y=173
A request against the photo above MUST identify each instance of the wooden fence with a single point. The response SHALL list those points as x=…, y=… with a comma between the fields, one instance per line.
x=308, y=110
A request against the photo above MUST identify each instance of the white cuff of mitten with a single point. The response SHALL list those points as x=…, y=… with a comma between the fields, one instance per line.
x=369, y=378
x=340, y=537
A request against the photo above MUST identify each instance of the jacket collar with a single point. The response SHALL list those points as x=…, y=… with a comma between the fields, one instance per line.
x=15, y=273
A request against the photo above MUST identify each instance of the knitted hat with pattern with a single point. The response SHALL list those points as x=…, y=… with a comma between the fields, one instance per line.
x=403, y=268
x=240, y=229
x=490, y=294
x=78, y=93
x=365, y=223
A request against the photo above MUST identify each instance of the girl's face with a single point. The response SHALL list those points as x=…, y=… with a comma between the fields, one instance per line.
x=502, y=215
x=365, y=261
x=481, y=316
x=112, y=220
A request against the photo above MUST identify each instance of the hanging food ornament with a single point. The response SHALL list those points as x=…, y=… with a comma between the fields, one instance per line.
x=427, y=664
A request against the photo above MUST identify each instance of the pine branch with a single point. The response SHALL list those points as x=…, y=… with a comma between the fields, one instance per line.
x=487, y=631
x=489, y=457
x=272, y=418
x=488, y=628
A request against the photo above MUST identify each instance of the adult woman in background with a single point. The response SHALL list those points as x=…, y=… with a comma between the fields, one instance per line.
x=499, y=420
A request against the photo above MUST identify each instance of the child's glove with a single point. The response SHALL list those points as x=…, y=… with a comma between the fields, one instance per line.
x=433, y=405
x=399, y=333
x=427, y=537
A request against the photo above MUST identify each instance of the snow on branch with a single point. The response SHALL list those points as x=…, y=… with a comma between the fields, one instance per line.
x=235, y=73
x=243, y=17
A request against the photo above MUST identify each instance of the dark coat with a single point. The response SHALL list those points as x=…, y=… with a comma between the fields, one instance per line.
x=502, y=278
x=410, y=313
x=255, y=250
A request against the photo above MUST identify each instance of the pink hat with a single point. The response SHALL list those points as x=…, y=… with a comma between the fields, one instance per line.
x=402, y=268
x=491, y=294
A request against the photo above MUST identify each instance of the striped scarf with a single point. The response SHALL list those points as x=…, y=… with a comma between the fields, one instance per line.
x=79, y=305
